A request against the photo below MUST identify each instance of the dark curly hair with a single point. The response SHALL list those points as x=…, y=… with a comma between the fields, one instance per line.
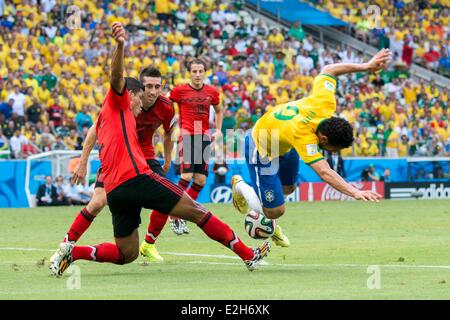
x=133, y=85
x=338, y=131
x=151, y=72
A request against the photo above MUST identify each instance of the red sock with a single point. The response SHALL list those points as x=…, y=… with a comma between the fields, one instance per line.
x=157, y=223
x=184, y=184
x=221, y=232
x=81, y=223
x=104, y=252
x=194, y=190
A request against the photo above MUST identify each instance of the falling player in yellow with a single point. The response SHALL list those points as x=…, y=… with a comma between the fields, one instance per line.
x=296, y=130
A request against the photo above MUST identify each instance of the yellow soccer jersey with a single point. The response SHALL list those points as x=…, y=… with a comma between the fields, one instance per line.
x=294, y=124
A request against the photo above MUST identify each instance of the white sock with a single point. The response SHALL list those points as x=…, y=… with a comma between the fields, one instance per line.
x=250, y=195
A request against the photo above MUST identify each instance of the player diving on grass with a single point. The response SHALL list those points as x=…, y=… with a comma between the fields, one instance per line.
x=156, y=111
x=293, y=130
x=130, y=185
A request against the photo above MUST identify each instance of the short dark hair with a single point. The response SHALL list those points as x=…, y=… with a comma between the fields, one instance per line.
x=133, y=85
x=150, y=72
x=338, y=131
x=196, y=61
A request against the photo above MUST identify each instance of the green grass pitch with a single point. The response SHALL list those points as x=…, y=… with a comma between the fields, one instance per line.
x=332, y=246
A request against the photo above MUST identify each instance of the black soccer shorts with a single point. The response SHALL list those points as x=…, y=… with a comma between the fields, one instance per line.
x=195, y=151
x=152, y=163
x=155, y=166
x=144, y=191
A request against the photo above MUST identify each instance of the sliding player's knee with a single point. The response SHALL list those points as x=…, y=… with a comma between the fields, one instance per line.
x=274, y=213
x=287, y=190
x=129, y=255
x=134, y=255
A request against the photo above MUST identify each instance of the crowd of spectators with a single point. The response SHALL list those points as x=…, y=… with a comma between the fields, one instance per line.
x=415, y=31
x=54, y=74
x=63, y=192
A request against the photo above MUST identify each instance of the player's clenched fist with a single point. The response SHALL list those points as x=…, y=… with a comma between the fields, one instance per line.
x=118, y=32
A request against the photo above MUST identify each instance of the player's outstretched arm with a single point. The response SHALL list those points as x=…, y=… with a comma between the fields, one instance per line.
x=375, y=64
x=79, y=173
x=322, y=168
x=117, y=63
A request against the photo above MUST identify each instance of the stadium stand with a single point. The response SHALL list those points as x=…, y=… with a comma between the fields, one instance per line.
x=54, y=72
x=416, y=31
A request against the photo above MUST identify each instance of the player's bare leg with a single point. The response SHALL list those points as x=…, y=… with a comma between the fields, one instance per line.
x=219, y=231
x=129, y=247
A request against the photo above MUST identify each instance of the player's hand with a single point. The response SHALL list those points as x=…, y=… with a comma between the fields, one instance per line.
x=79, y=174
x=166, y=167
x=380, y=60
x=118, y=32
x=367, y=196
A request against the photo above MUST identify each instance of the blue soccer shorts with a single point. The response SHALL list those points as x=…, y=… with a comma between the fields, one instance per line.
x=267, y=176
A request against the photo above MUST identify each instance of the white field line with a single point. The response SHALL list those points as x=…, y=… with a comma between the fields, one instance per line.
x=315, y=265
x=26, y=249
x=221, y=256
x=289, y=265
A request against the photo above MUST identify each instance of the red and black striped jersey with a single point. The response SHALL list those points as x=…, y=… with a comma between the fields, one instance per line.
x=119, y=151
x=194, y=106
x=161, y=113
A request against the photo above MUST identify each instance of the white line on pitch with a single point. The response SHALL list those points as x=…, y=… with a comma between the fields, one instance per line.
x=221, y=256
x=312, y=265
x=265, y=264
x=26, y=249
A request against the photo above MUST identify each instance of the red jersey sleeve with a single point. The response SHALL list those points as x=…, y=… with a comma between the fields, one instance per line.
x=118, y=101
x=175, y=94
x=215, y=97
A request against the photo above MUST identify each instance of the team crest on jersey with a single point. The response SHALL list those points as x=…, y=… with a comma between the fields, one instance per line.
x=269, y=195
x=329, y=86
x=311, y=149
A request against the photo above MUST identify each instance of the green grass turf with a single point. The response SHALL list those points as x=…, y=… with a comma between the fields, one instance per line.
x=332, y=245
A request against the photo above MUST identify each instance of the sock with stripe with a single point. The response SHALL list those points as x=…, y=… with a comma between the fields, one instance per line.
x=221, y=232
x=81, y=223
x=184, y=184
x=104, y=252
x=194, y=190
x=157, y=222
